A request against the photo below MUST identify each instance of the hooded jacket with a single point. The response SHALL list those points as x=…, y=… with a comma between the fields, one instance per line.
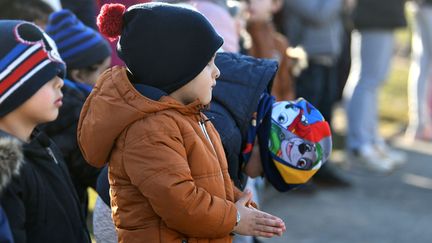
x=41, y=203
x=242, y=81
x=167, y=170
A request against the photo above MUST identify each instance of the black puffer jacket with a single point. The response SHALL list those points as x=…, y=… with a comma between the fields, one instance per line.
x=41, y=203
x=379, y=14
x=64, y=133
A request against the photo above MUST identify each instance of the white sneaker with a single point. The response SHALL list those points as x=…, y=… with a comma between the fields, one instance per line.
x=373, y=160
x=399, y=157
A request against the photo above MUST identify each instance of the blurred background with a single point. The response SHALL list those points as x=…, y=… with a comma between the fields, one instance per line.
x=366, y=65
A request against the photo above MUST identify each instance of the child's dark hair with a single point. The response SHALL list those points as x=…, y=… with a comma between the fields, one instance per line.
x=28, y=10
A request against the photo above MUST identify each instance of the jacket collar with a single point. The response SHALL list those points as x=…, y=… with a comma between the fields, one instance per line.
x=12, y=158
x=156, y=94
x=113, y=93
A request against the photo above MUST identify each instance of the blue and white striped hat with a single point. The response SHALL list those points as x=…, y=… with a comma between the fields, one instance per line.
x=28, y=60
x=79, y=46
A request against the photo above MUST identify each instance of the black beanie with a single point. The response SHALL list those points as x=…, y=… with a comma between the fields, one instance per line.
x=164, y=45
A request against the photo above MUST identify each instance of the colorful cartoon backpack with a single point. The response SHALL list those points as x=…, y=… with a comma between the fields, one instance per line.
x=295, y=141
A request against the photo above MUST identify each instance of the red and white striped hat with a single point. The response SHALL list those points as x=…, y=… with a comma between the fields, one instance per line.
x=28, y=60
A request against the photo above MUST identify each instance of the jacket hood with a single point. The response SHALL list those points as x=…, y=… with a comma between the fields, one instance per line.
x=111, y=107
x=11, y=158
x=242, y=81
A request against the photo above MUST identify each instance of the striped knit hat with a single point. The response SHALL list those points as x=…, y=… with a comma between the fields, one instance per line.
x=28, y=60
x=79, y=45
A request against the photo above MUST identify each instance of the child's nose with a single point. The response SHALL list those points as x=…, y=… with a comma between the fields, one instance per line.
x=217, y=72
x=60, y=83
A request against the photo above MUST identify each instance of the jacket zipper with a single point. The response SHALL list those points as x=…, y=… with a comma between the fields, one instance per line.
x=50, y=152
x=204, y=130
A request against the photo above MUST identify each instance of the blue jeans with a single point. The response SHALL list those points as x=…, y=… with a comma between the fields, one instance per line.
x=371, y=54
x=420, y=75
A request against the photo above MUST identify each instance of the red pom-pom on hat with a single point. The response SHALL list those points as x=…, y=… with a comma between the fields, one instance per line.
x=110, y=20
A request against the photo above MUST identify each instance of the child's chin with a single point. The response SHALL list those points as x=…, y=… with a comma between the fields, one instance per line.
x=206, y=102
x=51, y=117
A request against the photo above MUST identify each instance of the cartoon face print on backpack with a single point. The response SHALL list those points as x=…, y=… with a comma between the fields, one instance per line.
x=284, y=113
x=299, y=153
x=290, y=124
x=291, y=149
x=30, y=34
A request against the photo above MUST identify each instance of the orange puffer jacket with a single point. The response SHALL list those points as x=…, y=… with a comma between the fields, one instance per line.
x=167, y=168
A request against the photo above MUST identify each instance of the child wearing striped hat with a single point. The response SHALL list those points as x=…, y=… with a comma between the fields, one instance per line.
x=40, y=202
x=86, y=53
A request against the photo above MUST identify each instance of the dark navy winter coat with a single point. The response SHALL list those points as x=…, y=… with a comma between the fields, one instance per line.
x=242, y=81
x=41, y=203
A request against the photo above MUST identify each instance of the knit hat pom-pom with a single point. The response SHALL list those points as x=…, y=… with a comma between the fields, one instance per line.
x=110, y=20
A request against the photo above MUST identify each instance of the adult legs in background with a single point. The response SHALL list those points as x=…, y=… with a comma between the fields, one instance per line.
x=420, y=124
x=318, y=84
x=372, y=52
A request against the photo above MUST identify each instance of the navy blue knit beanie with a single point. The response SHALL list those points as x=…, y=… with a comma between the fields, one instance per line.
x=28, y=60
x=79, y=46
x=163, y=45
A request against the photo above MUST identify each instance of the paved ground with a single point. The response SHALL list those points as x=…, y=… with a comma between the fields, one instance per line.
x=375, y=209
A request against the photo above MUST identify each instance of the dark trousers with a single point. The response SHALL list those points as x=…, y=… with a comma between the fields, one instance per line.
x=318, y=84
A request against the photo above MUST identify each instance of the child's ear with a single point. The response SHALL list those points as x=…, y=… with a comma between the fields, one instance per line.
x=78, y=75
x=277, y=6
